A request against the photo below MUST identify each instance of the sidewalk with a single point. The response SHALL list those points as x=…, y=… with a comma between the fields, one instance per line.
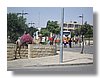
x=69, y=58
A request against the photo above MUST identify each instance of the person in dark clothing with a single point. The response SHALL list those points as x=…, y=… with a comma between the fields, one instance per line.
x=70, y=43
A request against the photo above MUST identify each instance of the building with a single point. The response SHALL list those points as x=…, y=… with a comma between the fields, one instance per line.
x=71, y=26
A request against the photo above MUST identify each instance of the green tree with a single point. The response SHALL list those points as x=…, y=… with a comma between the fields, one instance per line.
x=44, y=32
x=77, y=31
x=32, y=30
x=72, y=34
x=86, y=30
x=15, y=26
x=52, y=26
x=89, y=30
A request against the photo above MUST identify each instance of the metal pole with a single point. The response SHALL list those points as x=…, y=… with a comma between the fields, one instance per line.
x=22, y=14
x=82, y=19
x=32, y=24
x=39, y=20
x=61, y=43
x=82, y=37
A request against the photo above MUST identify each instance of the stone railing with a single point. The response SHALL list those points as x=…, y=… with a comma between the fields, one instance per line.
x=33, y=51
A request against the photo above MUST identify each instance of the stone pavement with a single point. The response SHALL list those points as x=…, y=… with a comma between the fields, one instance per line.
x=69, y=58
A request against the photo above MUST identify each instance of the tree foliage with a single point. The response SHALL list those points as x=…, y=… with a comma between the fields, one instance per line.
x=72, y=34
x=86, y=30
x=32, y=30
x=16, y=25
x=52, y=26
x=44, y=32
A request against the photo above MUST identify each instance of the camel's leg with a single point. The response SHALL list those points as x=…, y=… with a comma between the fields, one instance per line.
x=16, y=52
x=19, y=51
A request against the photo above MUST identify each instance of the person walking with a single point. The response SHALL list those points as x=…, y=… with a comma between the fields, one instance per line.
x=70, y=43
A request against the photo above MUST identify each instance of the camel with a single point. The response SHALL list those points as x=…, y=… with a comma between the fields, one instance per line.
x=19, y=44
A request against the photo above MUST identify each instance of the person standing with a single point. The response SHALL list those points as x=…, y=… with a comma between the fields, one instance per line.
x=65, y=43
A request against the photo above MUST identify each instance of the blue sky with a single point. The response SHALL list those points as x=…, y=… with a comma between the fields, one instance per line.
x=40, y=15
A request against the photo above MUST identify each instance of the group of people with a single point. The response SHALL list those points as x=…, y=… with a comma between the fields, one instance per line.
x=71, y=41
x=26, y=39
x=67, y=41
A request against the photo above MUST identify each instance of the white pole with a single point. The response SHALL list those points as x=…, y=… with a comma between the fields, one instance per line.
x=61, y=43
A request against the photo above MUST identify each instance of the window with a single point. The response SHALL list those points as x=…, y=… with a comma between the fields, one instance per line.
x=65, y=25
x=70, y=25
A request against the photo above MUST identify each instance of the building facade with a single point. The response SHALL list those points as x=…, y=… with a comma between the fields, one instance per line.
x=70, y=26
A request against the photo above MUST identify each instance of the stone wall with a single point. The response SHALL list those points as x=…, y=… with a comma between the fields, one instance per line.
x=33, y=51
x=11, y=52
x=41, y=50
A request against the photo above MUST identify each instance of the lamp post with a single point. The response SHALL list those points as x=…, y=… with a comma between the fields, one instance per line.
x=81, y=16
x=31, y=23
x=22, y=13
x=61, y=43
